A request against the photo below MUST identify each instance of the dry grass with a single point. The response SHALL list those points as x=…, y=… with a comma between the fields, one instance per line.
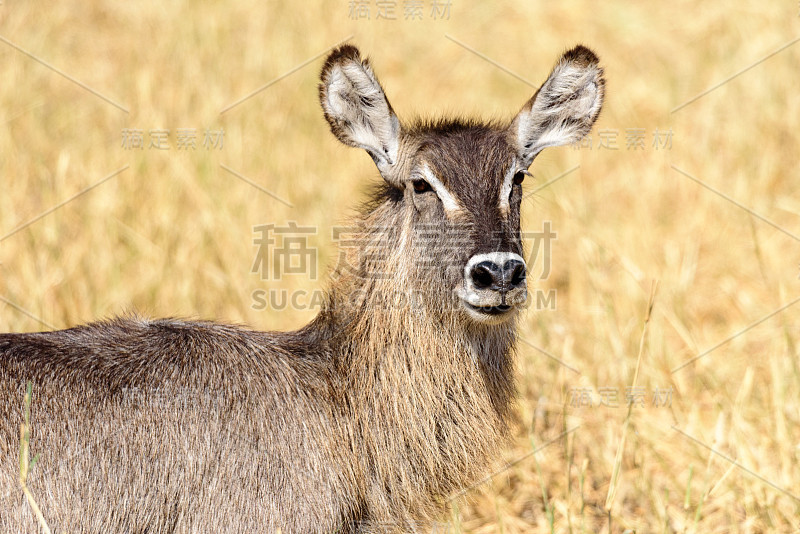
x=172, y=233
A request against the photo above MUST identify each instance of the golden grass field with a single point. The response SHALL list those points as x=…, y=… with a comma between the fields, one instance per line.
x=172, y=232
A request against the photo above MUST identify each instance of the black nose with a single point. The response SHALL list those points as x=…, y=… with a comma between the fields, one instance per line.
x=489, y=275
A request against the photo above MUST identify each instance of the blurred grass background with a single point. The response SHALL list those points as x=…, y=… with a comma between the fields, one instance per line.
x=172, y=233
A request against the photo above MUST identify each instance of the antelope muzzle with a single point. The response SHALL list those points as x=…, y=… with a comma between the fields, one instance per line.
x=494, y=286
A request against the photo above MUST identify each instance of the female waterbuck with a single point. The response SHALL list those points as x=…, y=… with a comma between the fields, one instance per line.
x=366, y=419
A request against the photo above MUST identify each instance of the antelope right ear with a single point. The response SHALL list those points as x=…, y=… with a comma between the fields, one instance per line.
x=357, y=109
x=564, y=108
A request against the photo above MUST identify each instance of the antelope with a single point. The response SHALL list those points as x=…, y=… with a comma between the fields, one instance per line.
x=365, y=420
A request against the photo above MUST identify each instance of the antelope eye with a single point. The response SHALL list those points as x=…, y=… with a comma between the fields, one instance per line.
x=519, y=177
x=421, y=186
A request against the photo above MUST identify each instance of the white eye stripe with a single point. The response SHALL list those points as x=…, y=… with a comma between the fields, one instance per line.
x=448, y=200
x=505, y=189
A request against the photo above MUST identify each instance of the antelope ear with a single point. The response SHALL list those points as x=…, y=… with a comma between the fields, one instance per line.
x=564, y=108
x=356, y=107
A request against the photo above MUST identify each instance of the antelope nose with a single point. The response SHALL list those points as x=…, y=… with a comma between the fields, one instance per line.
x=503, y=278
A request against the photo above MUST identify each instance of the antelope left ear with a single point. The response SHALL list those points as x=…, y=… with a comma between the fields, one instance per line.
x=564, y=108
x=357, y=109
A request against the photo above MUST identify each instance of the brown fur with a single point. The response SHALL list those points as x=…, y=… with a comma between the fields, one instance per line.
x=365, y=420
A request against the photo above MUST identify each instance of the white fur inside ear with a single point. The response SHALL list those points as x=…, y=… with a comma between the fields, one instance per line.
x=337, y=85
x=563, y=110
x=355, y=99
